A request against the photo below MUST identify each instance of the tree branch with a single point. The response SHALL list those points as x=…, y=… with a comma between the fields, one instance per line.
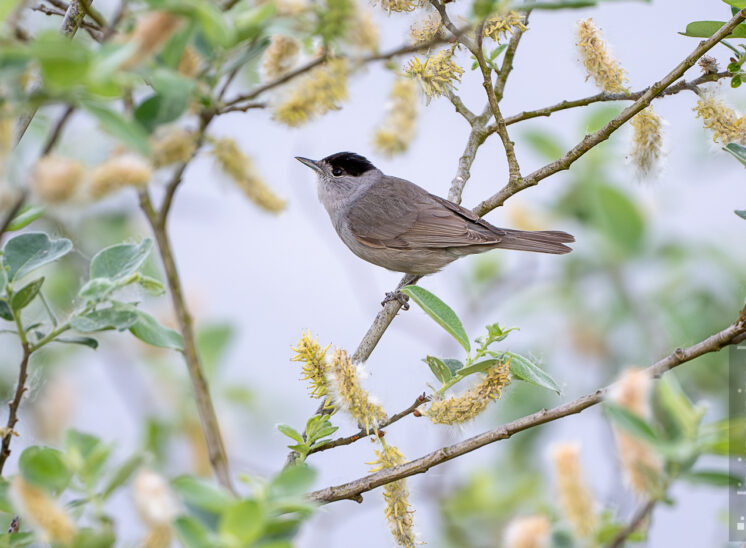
x=640, y=516
x=14, y=405
x=683, y=85
x=355, y=488
x=205, y=408
x=590, y=141
x=363, y=433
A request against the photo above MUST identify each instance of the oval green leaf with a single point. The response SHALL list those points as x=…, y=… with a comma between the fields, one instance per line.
x=45, y=467
x=148, y=330
x=22, y=298
x=31, y=250
x=440, y=312
x=705, y=29
x=120, y=260
x=524, y=369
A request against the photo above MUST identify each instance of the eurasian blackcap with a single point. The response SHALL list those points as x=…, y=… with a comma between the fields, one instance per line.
x=398, y=225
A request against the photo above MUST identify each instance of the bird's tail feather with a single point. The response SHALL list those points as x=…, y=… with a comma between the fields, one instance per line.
x=541, y=241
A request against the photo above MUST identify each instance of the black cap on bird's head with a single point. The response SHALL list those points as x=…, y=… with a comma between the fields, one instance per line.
x=341, y=163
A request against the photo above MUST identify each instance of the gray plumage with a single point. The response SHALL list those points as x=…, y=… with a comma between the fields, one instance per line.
x=398, y=225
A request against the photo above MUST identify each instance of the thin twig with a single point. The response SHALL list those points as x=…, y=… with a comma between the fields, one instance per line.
x=205, y=408
x=605, y=132
x=683, y=85
x=353, y=489
x=57, y=130
x=347, y=440
x=13, y=211
x=640, y=516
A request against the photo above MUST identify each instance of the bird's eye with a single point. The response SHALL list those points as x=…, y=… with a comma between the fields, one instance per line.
x=337, y=171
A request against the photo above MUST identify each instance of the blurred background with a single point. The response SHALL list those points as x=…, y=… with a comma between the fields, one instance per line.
x=656, y=266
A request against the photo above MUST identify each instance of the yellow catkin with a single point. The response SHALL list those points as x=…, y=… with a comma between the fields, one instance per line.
x=309, y=352
x=363, y=32
x=426, y=29
x=437, y=75
x=280, y=57
x=396, y=494
x=647, y=142
x=124, y=170
x=604, y=69
x=528, y=532
x=399, y=126
x=726, y=125
x=154, y=500
x=190, y=62
x=399, y=5
x=172, y=146
x=575, y=498
x=56, y=179
x=239, y=167
x=343, y=379
x=314, y=94
x=459, y=409
x=640, y=464
x=499, y=26
x=151, y=32
x=43, y=513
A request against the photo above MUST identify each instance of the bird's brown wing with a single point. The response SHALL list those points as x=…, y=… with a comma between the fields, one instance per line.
x=399, y=214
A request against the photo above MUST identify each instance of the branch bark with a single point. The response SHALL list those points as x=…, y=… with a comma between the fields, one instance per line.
x=353, y=489
x=205, y=408
x=14, y=405
x=640, y=516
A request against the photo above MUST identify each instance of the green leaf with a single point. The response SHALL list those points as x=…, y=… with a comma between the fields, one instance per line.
x=440, y=312
x=192, y=533
x=242, y=523
x=681, y=418
x=122, y=475
x=64, y=62
x=524, y=369
x=148, y=330
x=90, y=342
x=439, y=369
x=717, y=478
x=152, y=286
x=250, y=23
x=27, y=216
x=738, y=151
x=630, y=422
x=705, y=29
x=479, y=367
x=453, y=365
x=97, y=289
x=726, y=437
x=291, y=433
x=619, y=218
x=45, y=467
x=114, y=317
x=7, y=6
x=168, y=103
x=172, y=52
x=119, y=261
x=5, y=312
x=128, y=131
x=22, y=298
x=28, y=251
x=741, y=213
x=738, y=4
x=90, y=538
x=202, y=494
x=292, y=481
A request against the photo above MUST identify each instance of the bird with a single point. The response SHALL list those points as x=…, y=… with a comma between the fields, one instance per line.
x=393, y=223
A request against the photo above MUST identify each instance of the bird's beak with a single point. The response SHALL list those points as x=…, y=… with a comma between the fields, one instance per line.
x=310, y=163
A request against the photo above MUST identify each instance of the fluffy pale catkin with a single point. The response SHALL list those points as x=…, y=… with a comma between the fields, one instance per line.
x=600, y=66
x=399, y=126
x=575, y=498
x=726, y=125
x=437, y=74
x=56, y=179
x=309, y=352
x=396, y=495
x=42, y=513
x=348, y=393
x=642, y=467
x=528, y=532
x=647, y=143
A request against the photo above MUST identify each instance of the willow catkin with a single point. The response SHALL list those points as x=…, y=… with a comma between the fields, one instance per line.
x=310, y=353
x=42, y=513
x=344, y=382
x=575, y=498
x=599, y=64
x=396, y=494
x=528, y=532
x=56, y=179
x=399, y=125
x=438, y=74
x=641, y=465
x=314, y=94
x=280, y=57
x=646, y=152
x=725, y=124
x=151, y=32
x=118, y=172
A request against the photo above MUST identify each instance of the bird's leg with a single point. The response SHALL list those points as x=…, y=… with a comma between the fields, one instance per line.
x=397, y=295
